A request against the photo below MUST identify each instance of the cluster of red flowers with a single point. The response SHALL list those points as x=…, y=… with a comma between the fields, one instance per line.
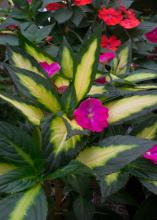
x=111, y=43
x=126, y=18
x=55, y=6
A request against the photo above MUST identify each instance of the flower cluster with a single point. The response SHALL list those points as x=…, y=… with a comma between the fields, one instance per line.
x=125, y=18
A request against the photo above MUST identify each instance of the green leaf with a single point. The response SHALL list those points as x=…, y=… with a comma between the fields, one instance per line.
x=131, y=107
x=151, y=185
x=30, y=205
x=18, y=148
x=147, y=128
x=19, y=58
x=74, y=167
x=58, y=137
x=34, y=51
x=35, y=86
x=122, y=62
x=8, y=37
x=87, y=66
x=141, y=75
x=6, y=167
x=62, y=15
x=67, y=61
x=83, y=209
x=17, y=180
x=143, y=169
x=33, y=114
x=113, y=182
x=113, y=153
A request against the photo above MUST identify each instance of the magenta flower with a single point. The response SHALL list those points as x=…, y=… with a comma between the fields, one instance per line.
x=107, y=57
x=151, y=154
x=152, y=35
x=92, y=115
x=51, y=69
x=29, y=1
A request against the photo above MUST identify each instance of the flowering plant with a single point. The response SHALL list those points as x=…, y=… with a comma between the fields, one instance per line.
x=77, y=72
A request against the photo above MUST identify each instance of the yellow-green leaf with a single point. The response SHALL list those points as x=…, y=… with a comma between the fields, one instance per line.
x=33, y=114
x=113, y=153
x=5, y=168
x=58, y=137
x=38, y=54
x=20, y=59
x=141, y=75
x=67, y=62
x=131, y=107
x=35, y=87
x=30, y=204
x=85, y=70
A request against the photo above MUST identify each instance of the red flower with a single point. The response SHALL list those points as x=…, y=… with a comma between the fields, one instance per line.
x=110, y=16
x=130, y=21
x=82, y=2
x=111, y=43
x=54, y=6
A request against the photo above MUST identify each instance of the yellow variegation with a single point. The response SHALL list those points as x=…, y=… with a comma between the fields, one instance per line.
x=141, y=76
x=149, y=132
x=126, y=108
x=98, y=156
x=123, y=60
x=21, y=61
x=5, y=168
x=43, y=95
x=35, y=52
x=58, y=135
x=33, y=113
x=84, y=70
x=67, y=62
x=22, y=206
x=111, y=178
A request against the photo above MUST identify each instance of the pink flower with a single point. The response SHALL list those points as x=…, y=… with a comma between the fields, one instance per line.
x=152, y=35
x=92, y=115
x=51, y=69
x=107, y=57
x=29, y=1
x=151, y=154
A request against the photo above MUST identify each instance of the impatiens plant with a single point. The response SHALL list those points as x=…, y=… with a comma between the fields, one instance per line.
x=83, y=103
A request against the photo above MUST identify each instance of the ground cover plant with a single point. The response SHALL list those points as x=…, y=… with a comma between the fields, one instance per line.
x=78, y=101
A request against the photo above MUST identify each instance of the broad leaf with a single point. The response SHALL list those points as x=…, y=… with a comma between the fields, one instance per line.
x=131, y=107
x=113, y=182
x=87, y=66
x=17, y=147
x=141, y=75
x=113, y=153
x=17, y=180
x=33, y=114
x=122, y=62
x=67, y=61
x=20, y=59
x=35, y=52
x=30, y=205
x=35, y=86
